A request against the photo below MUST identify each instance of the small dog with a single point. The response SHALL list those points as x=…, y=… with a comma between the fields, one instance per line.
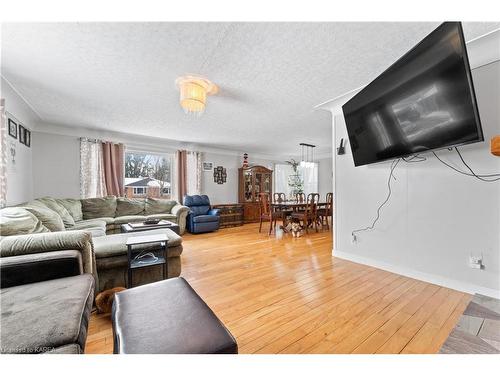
x=104, y=300
x=296, y=228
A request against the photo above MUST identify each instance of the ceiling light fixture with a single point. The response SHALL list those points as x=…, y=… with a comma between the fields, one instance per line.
x=193, y=93
x=307, y=154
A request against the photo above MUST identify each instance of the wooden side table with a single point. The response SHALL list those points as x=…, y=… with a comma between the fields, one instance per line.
x=142, y=258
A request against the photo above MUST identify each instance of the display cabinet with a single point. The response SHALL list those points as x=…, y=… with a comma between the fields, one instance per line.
x=252, y=181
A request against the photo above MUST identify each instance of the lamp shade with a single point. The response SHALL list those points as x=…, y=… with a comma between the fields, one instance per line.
x=193, y=93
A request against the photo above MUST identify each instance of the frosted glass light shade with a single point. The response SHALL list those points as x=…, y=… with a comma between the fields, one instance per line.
x=193, y=93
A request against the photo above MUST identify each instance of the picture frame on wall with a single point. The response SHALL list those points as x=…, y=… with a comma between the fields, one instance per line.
x=207, y=166
x=27, y=137
x=12, y=128
x=22, y=134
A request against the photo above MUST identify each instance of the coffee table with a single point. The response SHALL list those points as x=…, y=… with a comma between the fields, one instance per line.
x=141, y=227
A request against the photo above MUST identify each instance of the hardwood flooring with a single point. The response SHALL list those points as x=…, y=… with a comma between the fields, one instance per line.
x=291, y=296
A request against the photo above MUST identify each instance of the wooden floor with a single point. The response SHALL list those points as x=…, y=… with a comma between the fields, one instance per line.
x=291, y=296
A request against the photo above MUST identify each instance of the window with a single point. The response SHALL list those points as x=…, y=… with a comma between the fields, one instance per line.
x=139, y=191
x=148, y=174
x=287, y=181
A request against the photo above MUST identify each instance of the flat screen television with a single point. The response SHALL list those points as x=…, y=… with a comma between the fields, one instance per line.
x=424, y=101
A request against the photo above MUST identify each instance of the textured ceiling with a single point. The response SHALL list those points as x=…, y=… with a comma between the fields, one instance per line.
x=120, y=76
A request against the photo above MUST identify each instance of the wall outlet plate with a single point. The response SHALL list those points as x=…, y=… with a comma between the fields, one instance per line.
x=476, y=262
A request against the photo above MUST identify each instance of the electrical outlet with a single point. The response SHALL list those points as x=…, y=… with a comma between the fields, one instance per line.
x=476, y=261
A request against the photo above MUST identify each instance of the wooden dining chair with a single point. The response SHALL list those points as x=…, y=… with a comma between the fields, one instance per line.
x=310, y=214
x=300, y=197
x=279, y=197
x=266, y=212
x=281, y=212
x=325, y=213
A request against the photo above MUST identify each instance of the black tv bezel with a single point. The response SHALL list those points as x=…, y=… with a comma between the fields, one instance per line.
x=471, y=88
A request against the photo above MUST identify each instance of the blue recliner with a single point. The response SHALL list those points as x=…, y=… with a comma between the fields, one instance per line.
x=201, y=217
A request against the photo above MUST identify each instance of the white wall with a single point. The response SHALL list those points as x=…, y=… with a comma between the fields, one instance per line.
x=228, y=192
x=56, y=162
x=436, y=217
x=325, y=177
x=19, y=174
x=56, y=166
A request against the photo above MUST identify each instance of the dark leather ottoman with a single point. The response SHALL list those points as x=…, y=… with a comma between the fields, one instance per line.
x=167, y=317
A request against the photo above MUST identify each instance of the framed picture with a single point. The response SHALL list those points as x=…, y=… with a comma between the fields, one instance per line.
x=12, y=128
x=220, y=175
x=22, y=134
x=207, y=166
x=27, y=137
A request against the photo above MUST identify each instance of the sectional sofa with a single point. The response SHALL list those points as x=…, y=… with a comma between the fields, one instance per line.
x=51, y=220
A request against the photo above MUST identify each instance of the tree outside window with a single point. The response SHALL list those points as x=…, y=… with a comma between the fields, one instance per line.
x=148, y=174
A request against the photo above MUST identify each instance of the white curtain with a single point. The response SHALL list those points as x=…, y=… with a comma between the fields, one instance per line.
x=92, y=183
x=3, y=156
x=309, y=173
x=193, y=174
x=281, y=173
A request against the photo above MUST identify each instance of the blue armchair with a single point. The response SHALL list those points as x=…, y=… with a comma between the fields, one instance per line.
x=201, y=218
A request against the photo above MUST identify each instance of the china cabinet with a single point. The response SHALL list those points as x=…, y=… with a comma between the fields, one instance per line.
x=252, y=181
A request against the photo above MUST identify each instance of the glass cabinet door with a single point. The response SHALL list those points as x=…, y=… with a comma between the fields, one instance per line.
x=258, y=184
x=266, y=183
x=248, y=186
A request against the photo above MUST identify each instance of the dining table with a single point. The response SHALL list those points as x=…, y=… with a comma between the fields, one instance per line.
x=292, y=206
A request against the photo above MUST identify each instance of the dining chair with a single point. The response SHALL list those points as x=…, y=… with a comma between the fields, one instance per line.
x=281, y=212
x=266, y=212
x=279, y=197
x=300, y=197
x=325, y=212
x=310, y=215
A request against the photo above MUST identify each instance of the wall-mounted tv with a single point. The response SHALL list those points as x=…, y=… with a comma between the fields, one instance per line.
x=424, y=101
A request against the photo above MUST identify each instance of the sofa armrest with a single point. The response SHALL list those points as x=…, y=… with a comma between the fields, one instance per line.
x=33, y=268
x=181, y=212
x=214, y=212
x=53, y=241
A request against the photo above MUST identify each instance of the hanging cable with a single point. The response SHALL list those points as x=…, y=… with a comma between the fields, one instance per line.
x=389, y=193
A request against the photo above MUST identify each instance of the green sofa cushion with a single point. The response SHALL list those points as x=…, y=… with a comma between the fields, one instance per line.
x=74, y=207
x=129, y=219
x=169, y=217
x=130, y=206
x=94, y=208
x=17, y=221
x=159, y=206
x=50, y=219
x=59, y=209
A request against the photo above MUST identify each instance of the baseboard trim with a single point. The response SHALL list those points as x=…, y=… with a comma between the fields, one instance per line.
x=408, y=272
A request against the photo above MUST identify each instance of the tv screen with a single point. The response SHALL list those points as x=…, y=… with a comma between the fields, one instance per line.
x=424, y=101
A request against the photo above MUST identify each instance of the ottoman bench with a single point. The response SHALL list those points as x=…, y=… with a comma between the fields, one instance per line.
x=167, y=317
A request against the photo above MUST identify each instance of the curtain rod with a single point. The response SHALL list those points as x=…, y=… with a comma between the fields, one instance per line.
x=96, y=140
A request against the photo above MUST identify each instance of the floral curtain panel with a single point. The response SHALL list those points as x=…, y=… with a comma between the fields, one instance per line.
x=3, y=156
x=92, y=183
x=193, y=163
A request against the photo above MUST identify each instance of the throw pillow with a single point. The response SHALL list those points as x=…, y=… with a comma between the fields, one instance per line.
x=159, y=206
x=74, y=207
x=50, y=219
x=94, y=208
x=130, y=206
x=59, y=209
x=17, y=221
